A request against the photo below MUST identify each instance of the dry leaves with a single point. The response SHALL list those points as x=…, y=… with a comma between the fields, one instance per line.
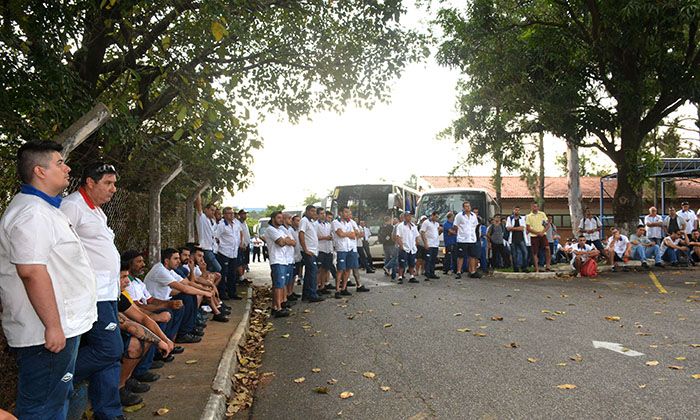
x=673, y=367
x=284, y=335
x=549, y=318
x=133, y=408
x=463, y=330
x=369, y=375
x=387, y=325
x=479, y=334
x=170, y=376
x=576, y=358
x=316, y=370
x=496, y=318
x=300, y=380
x=612, y=318
x=512, y=345
x=695, y=376
x=457, y=314
x=532, y=360
x=347, y=394
x=652, y=363
x=566, y=386
x=387, y=389
x=161, y=411
x=321, y=390
x=695, y=345
x=680, y=358
x=332, y=381
x=191, y=362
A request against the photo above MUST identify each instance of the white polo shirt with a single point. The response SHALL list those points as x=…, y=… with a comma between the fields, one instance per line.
x=592, y=223
x=138, y=290
x=276, y=253
x=310, y=229
x=575, y=250
x=34, y=232
x=246, y=233
x=90, y=223
x=342, y=244
x=324, y=229
x=205, y=232
x=432, y=234
x=690, y=217
x=158, y=281
x=368, y=233
x=656, y=231
x=358, y=238
x=295, y=256
x=620, y=245
x=229, y=236
x=408, y=234
x=664, y=244
x=466, y=227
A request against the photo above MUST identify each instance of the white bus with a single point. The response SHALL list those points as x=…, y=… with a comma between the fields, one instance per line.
x=371, y=203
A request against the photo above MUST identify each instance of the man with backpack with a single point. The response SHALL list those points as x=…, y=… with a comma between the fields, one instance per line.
x=582, y=254
x=590, y=227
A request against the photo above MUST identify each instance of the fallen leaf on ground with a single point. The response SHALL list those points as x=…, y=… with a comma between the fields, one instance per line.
x=566, y=386
x=307, y=311
x=191, y=362
x=387, y=325
x=170, y=376
x=351, y=316
x=522, y=319
x=321, y=390
x=133, y=408
x=546, y=311
x=549, y=318
x=496, y=318
x=695, y=376
x=306, y=327
x=463, y=330
x=345, y=395
x=657, y=312
x=395, y=304
x=561, y=364
x=457, y=314
x=643, y=334
x=369, y=375
x=652, y=363
x=332, y=381
x=316, y=370
x=532, y=360
x=299, y=380
x=642, y=386
x=512, y=345
x=673, y=367
x=266, y=374
x=479, y=334
x=576, y=358
x=387, y=389
x=162, y=411
x=695, y=345
x=612, y=318
x=680, y=358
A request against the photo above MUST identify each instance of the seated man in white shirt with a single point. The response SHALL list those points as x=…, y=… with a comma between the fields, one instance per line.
x=581, y=252
x=619, y=249
x=673, y=248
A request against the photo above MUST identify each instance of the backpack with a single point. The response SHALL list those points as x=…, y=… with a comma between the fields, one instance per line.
x=589, y=268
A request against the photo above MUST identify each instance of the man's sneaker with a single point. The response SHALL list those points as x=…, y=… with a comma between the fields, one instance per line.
x=434, y=277
x=338, y=295
x=315, y=299
x=187, y=339
x=147, y=377
x=157, y=364
x=362, y=289
x=198, y=332
x=427, y=278
x=458, y=276
x=413, y=280
x=128, y=398
x=644, y=264
x=137, y=387
x=659, y=265
x=351, y=284
x=330, y=287
x=400, y=280
x=281, y=313
x=288, y=304
x=625, y=269
x=324, y=292
x=220, y=318
x=297, y=295
x=159, y=357
x=292, y=297
x=613, y=269
x=475, y=275
x=345, y=292
x=178, y=350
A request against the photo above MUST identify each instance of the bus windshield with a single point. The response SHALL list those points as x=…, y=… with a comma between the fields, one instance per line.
x=444, y=202
x=367, y=202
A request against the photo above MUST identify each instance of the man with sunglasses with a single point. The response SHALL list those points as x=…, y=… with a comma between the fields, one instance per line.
x=101, y=347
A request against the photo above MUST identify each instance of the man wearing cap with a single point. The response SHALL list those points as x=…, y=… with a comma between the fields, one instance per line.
x=47, y=284
x=690, y=218
x=101, y=348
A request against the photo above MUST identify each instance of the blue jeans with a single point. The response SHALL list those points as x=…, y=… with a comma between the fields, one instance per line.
x=389, y=258
x=169, y=329
x=430, y=261
x=45, y=380
x=99, y=360
x=229, y=275
x=641, y=253
x=188, y=310
x=519, y=252
x=671, y=255
x=212, y=264
x=310, y=276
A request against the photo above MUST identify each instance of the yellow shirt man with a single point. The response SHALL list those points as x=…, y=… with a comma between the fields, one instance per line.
x=536, y=221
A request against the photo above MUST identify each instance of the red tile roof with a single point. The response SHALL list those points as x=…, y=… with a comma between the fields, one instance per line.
x=554, y=187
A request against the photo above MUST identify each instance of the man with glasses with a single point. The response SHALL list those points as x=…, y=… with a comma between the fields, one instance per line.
x=101, y=348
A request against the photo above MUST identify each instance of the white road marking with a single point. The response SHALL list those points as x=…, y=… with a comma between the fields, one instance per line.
x=617, y=348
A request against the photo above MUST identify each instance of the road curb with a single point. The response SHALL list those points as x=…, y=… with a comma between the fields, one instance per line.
x=228, y=366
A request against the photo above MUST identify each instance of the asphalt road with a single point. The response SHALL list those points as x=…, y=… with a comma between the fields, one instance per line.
x=435, y=371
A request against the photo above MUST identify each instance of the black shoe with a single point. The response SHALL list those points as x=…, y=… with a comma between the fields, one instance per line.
x=362, y=289
x=225, y=311
x=625, y=269
x=475, y=275
x=644, y=264
x=434, y=277
x=330, y=287
x=288, y=304
x=413, y=280
x=338, y=295
x=674, y=264
x=371, y=271
x=297, y=295
x=659, y=265
x=281, y=313
x=136, y=387
x=445, y=272
x=345, y=292
x=613, y=269
x=187, y=339
x=236, y=297
x=427, y=278
x=128, y=398
x=198, y=332
x=458, y=276
x=220, y=318
x=147, y=377
x=350, y=284
x=160, y=358
x=324, y=292
x=178, y=350
x=400, y=280
x=315, y=299
x=157, y=364
x=292, y=297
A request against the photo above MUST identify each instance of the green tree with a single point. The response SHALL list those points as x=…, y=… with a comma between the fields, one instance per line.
x=311, y=199
x=599, y=74
x=271, y=208
x=589, y=165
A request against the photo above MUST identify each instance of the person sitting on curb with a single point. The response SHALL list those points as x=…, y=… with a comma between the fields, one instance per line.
x=619, y=249
x=672, y=247
x=581, y=252
x=694, y=245
x=643, y=248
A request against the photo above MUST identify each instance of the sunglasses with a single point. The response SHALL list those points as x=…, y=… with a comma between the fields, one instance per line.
x=106, y=168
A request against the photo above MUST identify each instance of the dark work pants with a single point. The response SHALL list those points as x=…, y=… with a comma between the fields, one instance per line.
x=229, y=275
x=170, y=330
x=189, y=309
x=430, y=261
x=310, y=276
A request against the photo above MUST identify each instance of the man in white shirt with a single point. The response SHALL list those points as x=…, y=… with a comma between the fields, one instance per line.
x=406, y=236
x=690, y=218
x=229, y=234
x=308, y=240
x=519, y=240
x=590, y=228
x=244, y=249
x=102, y=347
x=355, y=257
x=257, y=245
x=654, y=224
x=206, y=224
x=277, y=240
x=581, y=252
x=325, y=251
x=47, y=284
x=430, y=230
x=619, y=249
x=671, y=247
x=344, y=237
x=466, y=223
x=366, y=253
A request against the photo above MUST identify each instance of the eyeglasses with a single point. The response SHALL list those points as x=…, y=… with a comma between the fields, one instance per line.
x=106, y=168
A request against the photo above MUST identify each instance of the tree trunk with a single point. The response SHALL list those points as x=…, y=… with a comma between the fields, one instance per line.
x=79, y=131
x=574, y=183
x=154, y=244
x=630, y=178
x=189, y=210
x=498, y=179
x=540, y=152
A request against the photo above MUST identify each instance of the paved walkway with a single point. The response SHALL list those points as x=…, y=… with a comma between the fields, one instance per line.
x=184, y=388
